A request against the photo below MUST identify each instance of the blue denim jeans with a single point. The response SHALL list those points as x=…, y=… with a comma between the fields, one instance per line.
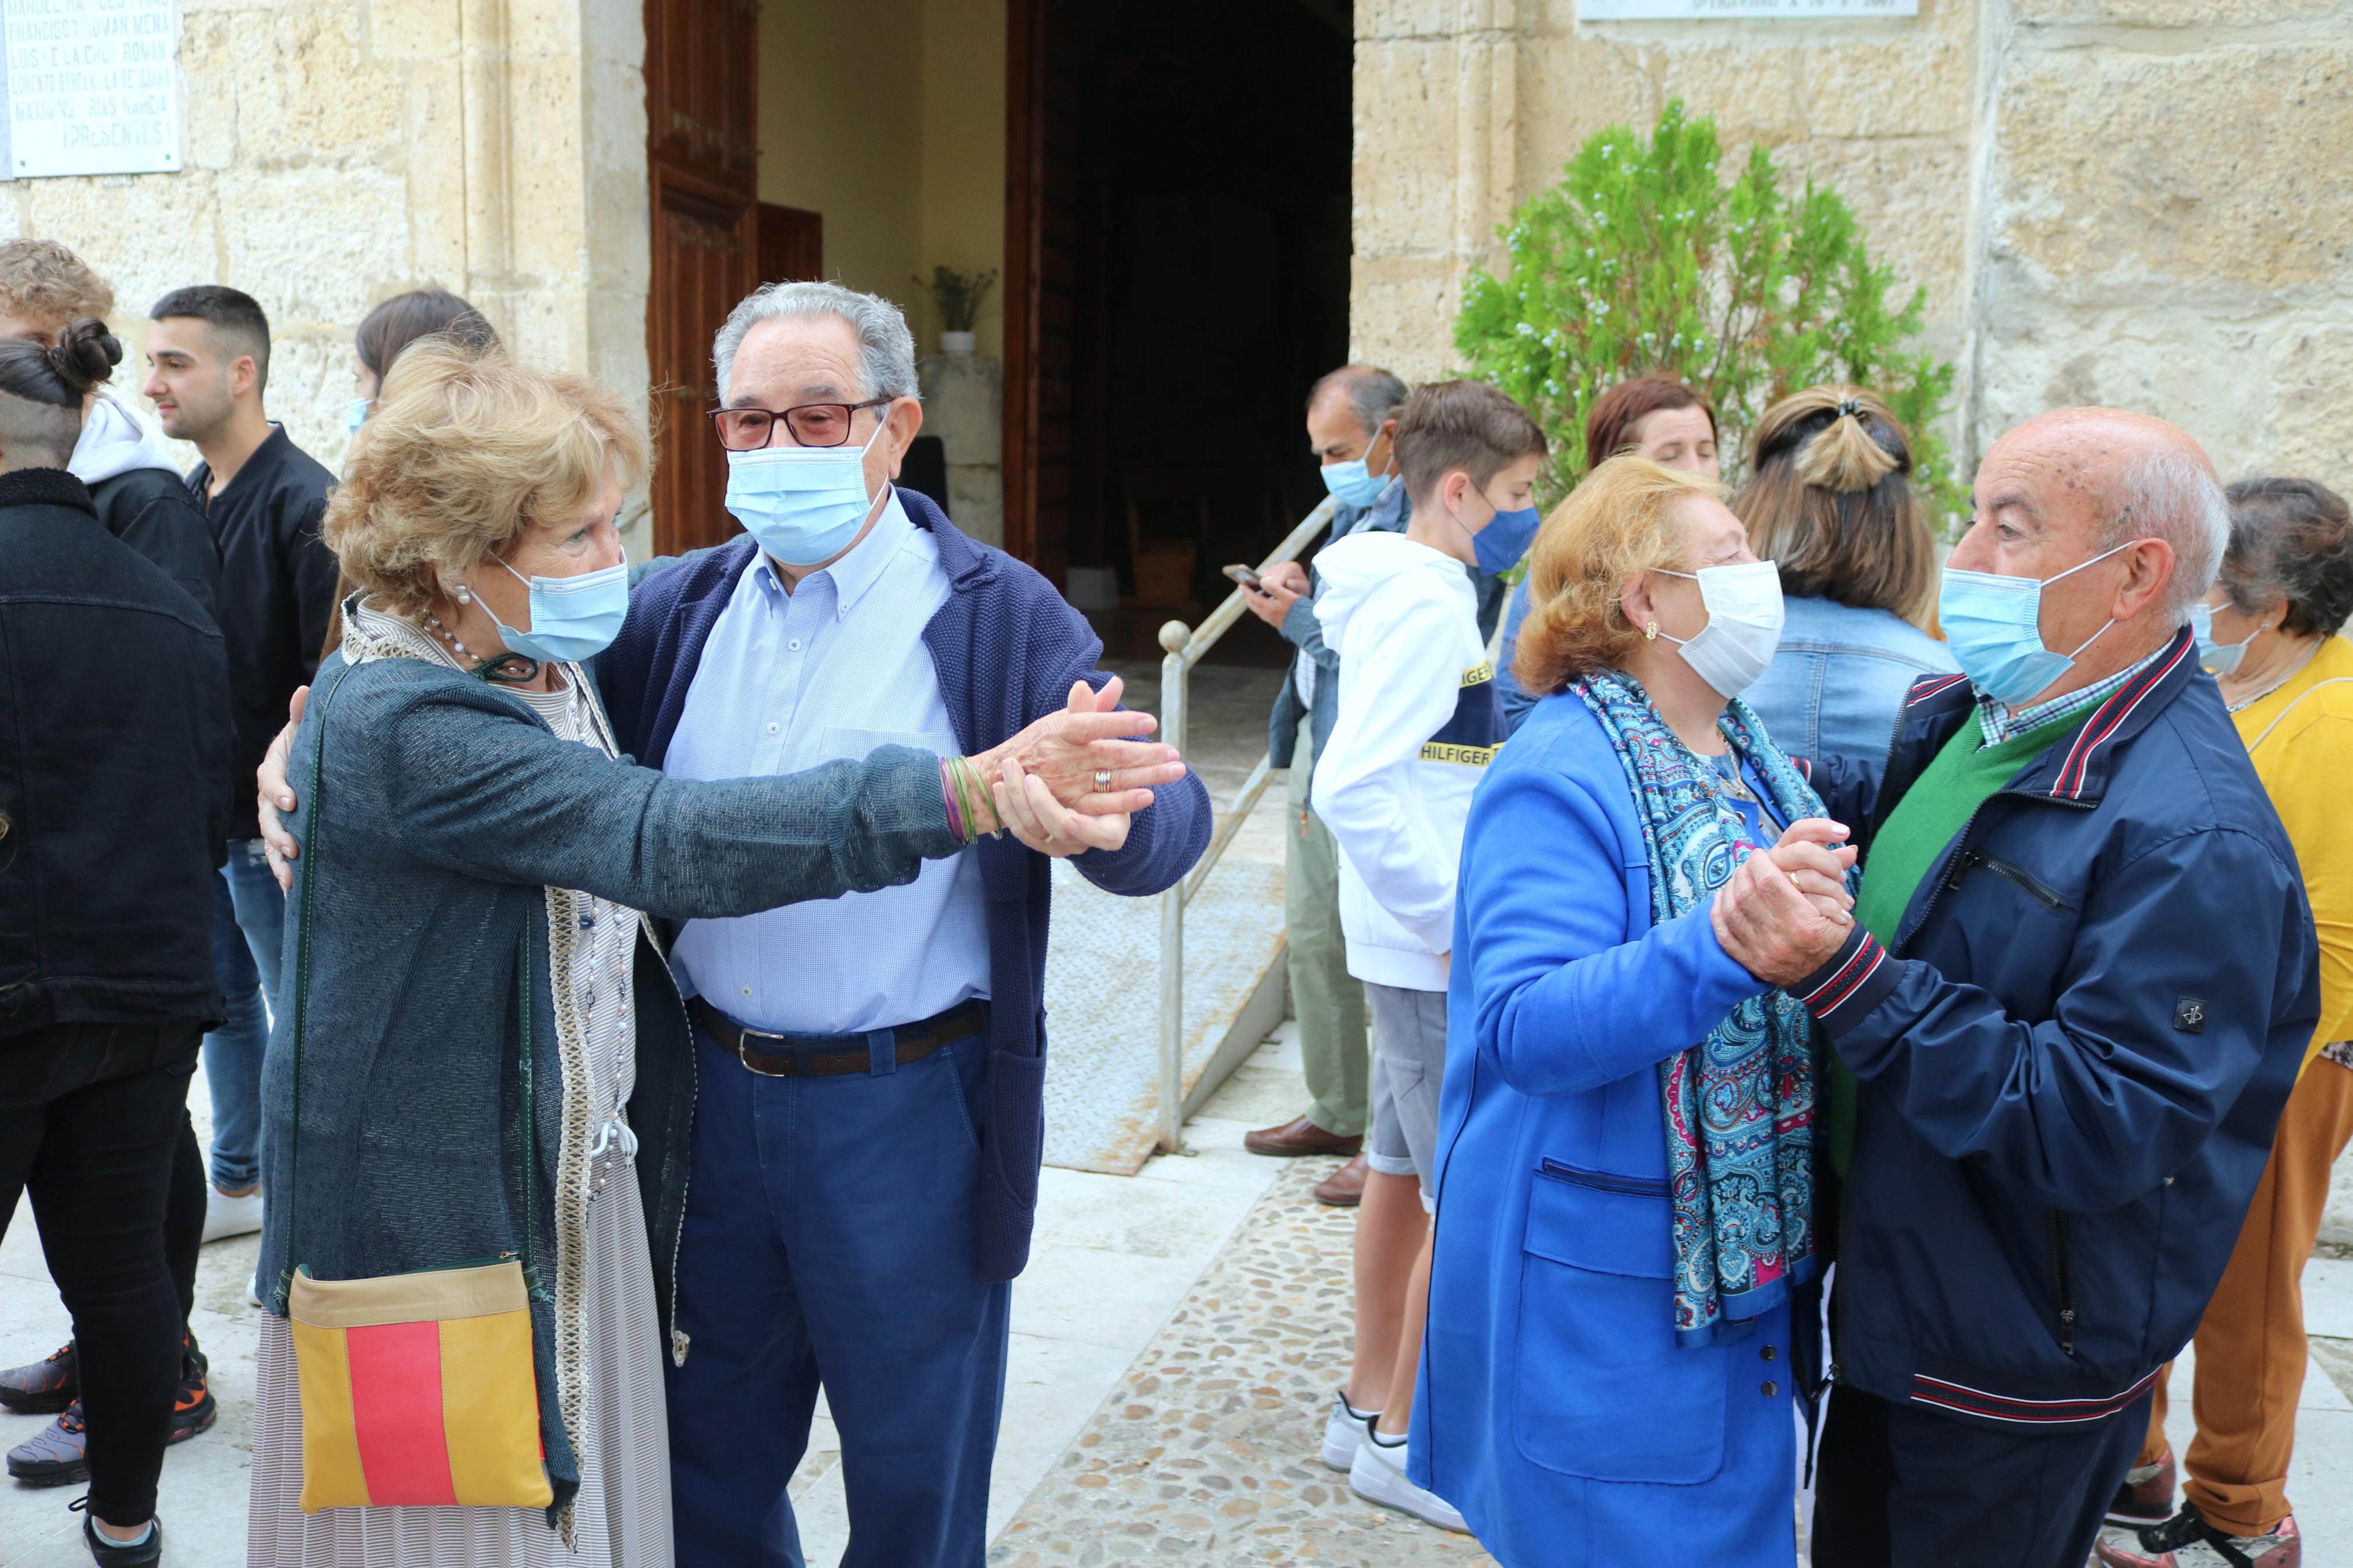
x=249, y=930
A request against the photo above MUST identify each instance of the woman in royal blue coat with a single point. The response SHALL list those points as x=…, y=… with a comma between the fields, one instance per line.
x=1625, y=1157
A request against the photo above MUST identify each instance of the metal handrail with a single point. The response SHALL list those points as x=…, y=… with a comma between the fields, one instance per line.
x=1185, y=646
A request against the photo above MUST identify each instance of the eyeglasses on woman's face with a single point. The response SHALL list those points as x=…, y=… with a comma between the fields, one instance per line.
x=809, y=424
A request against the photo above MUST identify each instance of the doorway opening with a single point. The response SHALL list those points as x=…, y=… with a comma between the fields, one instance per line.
x=1176, y=261
x=1164, y=192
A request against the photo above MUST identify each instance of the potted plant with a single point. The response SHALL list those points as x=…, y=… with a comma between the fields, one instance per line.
x=959, y=295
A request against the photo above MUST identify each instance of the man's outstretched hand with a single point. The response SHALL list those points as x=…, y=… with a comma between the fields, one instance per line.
x=1785, y=912
x=1046, y=814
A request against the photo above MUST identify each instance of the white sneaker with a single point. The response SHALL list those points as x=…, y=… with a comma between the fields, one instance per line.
x=1378, y=1476
x=1343, y=1431
x=226, y=1216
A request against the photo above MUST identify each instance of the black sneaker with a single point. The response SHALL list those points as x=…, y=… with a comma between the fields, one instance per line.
x=113, y=1554
x=44, y=1387
x=58, y=1454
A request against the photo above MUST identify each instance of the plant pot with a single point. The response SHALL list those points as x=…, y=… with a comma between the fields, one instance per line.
x=959, y=345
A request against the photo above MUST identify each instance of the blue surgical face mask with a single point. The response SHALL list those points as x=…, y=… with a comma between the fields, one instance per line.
x=1353, y=481
x=571, y=618
x=2218, y=658
x=355, y=414
x=1993, y=625
x=804, y=504
x=1505, y=539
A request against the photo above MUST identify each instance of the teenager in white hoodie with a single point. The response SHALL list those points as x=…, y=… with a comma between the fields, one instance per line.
x=1417, y=725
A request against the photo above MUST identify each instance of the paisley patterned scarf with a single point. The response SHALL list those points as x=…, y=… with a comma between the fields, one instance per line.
x=1740, y=1103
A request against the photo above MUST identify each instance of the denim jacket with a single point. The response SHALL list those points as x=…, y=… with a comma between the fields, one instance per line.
x=1838, y=684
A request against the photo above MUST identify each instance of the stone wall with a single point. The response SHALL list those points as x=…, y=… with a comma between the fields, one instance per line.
x=338, y=153
x=2135, y=202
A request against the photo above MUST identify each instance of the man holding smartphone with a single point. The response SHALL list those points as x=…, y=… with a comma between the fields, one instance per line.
x=1351, y=426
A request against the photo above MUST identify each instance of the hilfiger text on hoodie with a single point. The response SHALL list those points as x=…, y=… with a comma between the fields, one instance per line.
x=1472, y=735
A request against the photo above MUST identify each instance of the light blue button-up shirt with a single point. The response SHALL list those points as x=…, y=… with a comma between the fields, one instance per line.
x=833, y=669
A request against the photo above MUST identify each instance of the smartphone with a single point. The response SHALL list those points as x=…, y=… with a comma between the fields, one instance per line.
x=1242, y=575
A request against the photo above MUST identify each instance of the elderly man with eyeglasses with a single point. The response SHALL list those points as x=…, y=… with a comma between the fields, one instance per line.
x=855, y=1227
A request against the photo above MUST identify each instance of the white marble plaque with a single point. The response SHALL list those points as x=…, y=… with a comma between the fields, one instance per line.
x=1739, y=10
x=93, y=86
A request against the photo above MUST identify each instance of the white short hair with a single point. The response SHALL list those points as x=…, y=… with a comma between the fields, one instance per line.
x=886, y=350
x=2167, y=494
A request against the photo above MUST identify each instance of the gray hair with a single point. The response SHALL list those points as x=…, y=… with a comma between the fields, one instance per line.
x=2166, y=493
x=1373, y=394
x=886, y=350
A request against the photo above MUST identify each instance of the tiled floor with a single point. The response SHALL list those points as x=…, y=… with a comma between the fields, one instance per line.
x=1132, y=1276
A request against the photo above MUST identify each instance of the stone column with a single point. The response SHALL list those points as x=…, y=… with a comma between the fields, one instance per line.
x=963, y=404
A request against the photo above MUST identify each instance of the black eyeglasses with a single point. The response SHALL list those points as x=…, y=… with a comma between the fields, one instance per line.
x=812, y=424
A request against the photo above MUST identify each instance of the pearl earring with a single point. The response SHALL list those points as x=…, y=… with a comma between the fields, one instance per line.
x=465, y=595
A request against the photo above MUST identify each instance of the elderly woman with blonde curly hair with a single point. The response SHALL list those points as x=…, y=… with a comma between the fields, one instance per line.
x=470, y=1286
x=1626, y=1123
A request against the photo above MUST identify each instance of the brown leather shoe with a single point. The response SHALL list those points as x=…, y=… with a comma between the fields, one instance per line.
x=1344, y=1188
x=1293, y=1139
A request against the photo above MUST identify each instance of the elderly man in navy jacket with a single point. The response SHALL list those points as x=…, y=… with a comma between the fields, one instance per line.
x=2073, y=997
x=869, y=1117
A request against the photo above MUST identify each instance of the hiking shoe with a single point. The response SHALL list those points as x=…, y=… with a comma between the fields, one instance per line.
x=45, y=1387
x=2187, y=1541
x=1378, y=1476
x=142, y=1554
x=1342, y=1430
x=58, y=1454
x=2146, y=1499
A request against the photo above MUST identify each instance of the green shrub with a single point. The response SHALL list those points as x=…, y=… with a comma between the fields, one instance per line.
x=1641, y=259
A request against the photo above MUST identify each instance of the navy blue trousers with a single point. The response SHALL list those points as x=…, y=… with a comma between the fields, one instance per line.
x=830, y=1241
x=1897, y=1486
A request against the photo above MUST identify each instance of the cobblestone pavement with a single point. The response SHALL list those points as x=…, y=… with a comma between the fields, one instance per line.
x=1206, y=1450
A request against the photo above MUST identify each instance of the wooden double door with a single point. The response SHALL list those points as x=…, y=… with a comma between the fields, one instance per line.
x=714, y=242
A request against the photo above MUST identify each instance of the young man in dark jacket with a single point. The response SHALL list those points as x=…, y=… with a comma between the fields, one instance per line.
x=114, y=761
x=264, y=497
x=2072, y=999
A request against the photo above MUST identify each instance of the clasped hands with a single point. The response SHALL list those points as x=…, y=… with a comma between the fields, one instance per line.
x=1041, y=781
x=1785, y=911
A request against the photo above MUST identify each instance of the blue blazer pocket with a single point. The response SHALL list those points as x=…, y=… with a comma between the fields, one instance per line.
x=1599, y=1388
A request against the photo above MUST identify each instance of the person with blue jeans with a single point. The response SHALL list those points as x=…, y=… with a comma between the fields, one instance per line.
x=209, y=351
x=1828, y=497
x=870, y=1113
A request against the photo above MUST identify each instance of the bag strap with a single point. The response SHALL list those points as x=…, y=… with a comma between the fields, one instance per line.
x=2292, y=704
x=313, y=849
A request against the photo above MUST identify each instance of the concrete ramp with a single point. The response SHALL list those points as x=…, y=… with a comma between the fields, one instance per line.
x=1103, y=995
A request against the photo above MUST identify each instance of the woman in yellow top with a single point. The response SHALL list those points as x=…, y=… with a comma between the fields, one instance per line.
x=2269, y=633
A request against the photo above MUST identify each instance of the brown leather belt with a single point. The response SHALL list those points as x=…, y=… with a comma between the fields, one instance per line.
x=915, y=1041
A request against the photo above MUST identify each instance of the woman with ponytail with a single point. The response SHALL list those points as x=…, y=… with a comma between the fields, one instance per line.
x=1829, y=500
x=114, y=772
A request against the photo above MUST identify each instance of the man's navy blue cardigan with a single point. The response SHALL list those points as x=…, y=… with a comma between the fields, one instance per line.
x=1007, y=648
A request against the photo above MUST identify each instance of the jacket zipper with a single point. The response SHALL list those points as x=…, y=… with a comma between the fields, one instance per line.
x=1603, y=1181
x=2026, y=881
x=2064, y=1270
x=678, y=1342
